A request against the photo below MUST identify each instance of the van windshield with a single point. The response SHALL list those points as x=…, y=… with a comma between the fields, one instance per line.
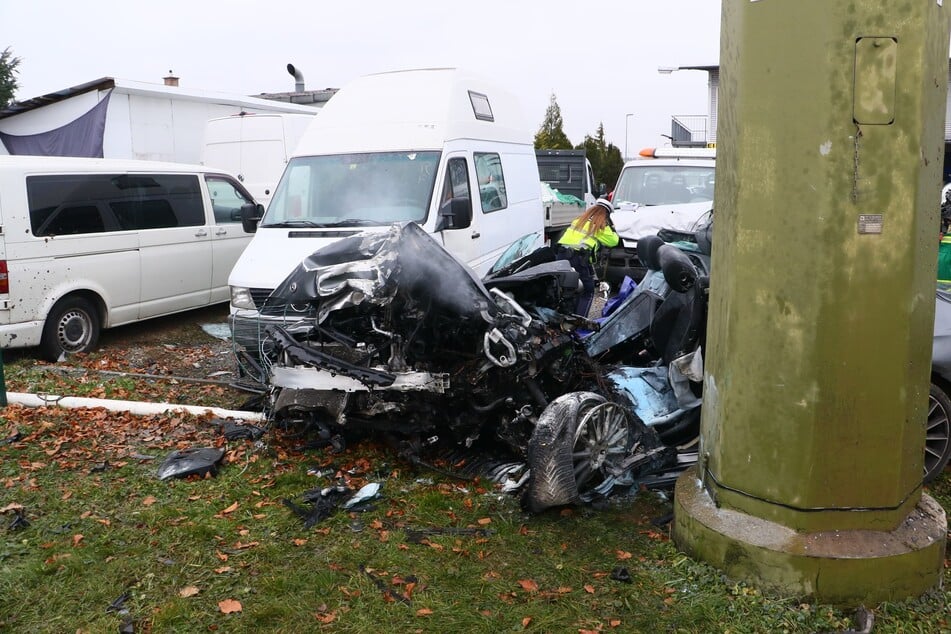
x=664, y=184
x=341, y=190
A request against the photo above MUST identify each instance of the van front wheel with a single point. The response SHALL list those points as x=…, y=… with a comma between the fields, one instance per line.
x=72, y=326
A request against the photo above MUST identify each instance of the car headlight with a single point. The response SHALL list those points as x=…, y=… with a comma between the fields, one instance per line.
x=241, y=297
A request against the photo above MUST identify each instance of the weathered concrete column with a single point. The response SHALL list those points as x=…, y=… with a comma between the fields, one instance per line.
x=830, y=148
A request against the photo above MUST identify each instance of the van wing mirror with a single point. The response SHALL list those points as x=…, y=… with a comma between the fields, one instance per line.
x=602, y=190
x=251, y=214
x=455, y=213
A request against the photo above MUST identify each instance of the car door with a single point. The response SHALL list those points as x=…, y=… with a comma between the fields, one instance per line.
x=228, y=239
x=174, y=242
x=461, y=239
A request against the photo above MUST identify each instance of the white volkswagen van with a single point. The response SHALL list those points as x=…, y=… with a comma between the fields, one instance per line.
x=439, y=147
x=87, y=244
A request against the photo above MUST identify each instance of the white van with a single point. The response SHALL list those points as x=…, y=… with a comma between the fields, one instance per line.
x=254, y=147
x=666, y=188
x=439, y=147
x=87, y=244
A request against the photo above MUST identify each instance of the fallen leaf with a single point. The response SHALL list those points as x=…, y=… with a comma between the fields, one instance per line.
x=526, y=621
x=230, y=509
x=13, y=506
x=423, y=612
x=563, y=590
x=149, y=500
x=623, y=554
x=223, y=569
x=299, y=542
x=484, y=521
x=188, y=591
x=221, y=556
x=76, y=539
x=529, y=585
x=325, y=617
x=614, y=622
x=589, y=588
x=229, y=605
x=104, y=522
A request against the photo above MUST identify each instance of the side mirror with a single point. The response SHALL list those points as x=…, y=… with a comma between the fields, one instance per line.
x=455, y=213
x=251, y=214
x=602, y=190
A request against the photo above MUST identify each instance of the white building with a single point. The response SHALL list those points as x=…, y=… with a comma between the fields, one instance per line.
x=115, y=118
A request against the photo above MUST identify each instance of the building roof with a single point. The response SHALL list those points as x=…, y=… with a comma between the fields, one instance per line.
x=145, y=88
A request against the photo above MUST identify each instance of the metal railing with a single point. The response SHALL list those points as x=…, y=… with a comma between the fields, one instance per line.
x=688, y=130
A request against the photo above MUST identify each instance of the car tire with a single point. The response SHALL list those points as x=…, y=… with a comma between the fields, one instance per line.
x=937, y=433
x=72, y=326
x=576, y=440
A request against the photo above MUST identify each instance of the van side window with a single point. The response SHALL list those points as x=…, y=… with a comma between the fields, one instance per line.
x=92, y=203
x=457, y=180
x=491, y=181
x=227, y=199
x=73, y=219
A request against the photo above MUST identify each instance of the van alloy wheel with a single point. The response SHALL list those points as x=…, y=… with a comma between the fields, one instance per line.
x=937, y=433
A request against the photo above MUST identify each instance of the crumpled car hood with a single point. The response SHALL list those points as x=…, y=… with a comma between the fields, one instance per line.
x=361, y=270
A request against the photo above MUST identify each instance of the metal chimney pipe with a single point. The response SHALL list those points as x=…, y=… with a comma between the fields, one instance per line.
x=298, y=78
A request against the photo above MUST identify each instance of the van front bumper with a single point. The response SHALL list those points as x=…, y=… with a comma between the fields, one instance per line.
x=21, y=335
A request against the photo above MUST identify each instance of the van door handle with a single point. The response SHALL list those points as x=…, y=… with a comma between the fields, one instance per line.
x=475, y=234
x=201, y=234
x=221, y=232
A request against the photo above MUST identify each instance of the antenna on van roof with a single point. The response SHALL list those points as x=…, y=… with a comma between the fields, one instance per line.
x=298, y=78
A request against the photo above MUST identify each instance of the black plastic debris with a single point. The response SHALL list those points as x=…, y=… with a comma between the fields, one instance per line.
x=118, y=604
x=19, y=521
x=12, y=438
x=193, y=461
x=382, y=587
x=319, y=504
x=240, y=431
x=127, y=626
x=622, y=574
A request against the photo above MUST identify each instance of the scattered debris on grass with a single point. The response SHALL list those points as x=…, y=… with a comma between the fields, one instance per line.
x=322, y=503
x=19, y=521
x=199, y=461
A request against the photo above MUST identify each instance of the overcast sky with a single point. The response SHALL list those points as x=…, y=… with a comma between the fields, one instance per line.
x=599, y=57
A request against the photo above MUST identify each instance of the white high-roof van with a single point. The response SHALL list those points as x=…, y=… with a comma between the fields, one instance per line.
x=87, y=244
x=439, y=147
x=254, y=147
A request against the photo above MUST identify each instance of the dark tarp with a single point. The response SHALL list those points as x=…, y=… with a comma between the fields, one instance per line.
x=80, y=137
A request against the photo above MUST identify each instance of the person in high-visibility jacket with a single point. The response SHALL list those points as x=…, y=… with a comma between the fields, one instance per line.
x=580, y=243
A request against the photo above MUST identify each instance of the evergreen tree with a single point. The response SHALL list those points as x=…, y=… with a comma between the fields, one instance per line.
x=551, y=135
x=606, y=159
x=8, y=81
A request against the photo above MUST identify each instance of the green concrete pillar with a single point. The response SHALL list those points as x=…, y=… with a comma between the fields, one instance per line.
x=830, y=150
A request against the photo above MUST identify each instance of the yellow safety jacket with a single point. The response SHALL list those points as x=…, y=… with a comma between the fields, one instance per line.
x=576, y=238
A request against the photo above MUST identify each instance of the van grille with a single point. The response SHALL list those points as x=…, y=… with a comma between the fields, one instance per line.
x=258, y=295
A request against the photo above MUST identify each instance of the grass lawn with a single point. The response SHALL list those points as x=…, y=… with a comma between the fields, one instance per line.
x=108, y=545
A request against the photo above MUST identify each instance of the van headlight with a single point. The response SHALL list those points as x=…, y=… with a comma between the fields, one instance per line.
x=241, y=297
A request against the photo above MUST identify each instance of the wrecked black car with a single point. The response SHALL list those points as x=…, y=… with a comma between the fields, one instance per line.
x=387, y=332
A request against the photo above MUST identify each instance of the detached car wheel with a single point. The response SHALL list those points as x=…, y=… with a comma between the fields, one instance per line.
x=937, y=433
x=72, y=326
x=576, y=449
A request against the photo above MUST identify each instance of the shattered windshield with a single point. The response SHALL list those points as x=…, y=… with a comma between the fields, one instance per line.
x=346, y=190
x=664, y=185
